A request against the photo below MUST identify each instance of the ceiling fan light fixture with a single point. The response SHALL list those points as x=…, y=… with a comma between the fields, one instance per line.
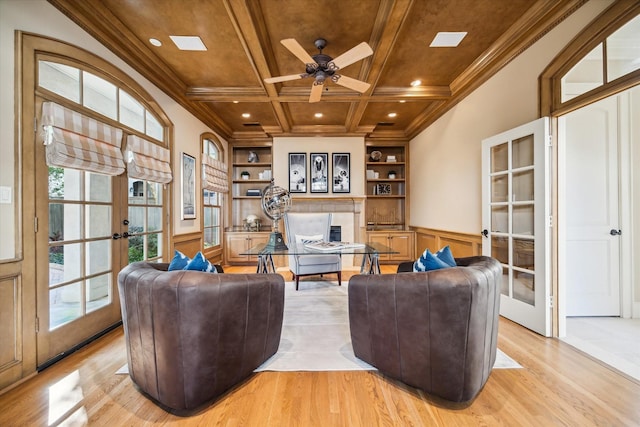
x=448, y=39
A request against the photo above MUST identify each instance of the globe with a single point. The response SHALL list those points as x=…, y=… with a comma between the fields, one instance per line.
x=275, y=202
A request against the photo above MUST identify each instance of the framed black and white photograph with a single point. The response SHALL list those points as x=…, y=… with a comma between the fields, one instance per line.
x=341, y=173
x=188, y=186
x=297, y=172
x=319, y=172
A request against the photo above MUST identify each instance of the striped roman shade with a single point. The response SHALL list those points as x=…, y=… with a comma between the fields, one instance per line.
x=76, y=141
x=214, y=175
x=148, y=161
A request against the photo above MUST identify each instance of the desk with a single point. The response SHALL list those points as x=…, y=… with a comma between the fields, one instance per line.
x=370, y=255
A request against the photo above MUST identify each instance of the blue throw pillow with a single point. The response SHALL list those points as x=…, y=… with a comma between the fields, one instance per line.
x=445, y=255
x=428, y=261
x=200, y=263
x=179, y=261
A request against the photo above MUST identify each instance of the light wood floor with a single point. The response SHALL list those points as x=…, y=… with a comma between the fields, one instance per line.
x=558, y=386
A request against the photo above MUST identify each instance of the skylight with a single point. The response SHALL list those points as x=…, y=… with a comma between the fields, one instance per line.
x=188, y=42
x=447, y=39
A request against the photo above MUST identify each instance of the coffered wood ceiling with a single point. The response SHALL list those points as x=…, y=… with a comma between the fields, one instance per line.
x=243, y=48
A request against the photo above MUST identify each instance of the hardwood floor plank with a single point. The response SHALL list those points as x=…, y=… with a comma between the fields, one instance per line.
x=558, y=386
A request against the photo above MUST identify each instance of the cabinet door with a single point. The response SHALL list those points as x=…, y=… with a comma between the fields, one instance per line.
x=403, y=244
x=382, y=239
x=253, y=240
x=235, y=245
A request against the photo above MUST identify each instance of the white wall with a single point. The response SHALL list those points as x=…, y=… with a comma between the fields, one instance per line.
x=39, y=17
x=282, y=146
x=445, y=158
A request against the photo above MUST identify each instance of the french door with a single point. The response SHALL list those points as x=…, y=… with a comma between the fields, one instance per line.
x=516, y=217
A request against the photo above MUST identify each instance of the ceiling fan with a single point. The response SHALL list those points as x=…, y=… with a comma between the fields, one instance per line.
x=321, y=67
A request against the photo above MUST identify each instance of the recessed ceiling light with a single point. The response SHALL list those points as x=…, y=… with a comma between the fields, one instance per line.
x=416, y=83
x=188, y=42
x=235, y=102
x=402, y=101
x=155, y=42
x=318, y=115
x=447, y=39
x=246, y=115
x=392, y=114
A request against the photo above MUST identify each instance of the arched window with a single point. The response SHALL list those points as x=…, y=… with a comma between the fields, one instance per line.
x=598, y=63
x=212, y=200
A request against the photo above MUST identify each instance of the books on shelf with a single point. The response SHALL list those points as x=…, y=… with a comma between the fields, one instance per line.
x=332, y=246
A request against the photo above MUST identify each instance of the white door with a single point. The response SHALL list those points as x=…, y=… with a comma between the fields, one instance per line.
x=515, y=219
x=592, y=244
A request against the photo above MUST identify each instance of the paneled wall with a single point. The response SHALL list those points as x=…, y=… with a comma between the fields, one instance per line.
x=461, y=244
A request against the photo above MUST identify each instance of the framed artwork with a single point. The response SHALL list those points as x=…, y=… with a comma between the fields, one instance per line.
x=341, y=173
x=382, y=189
x=297, y=172
x=188, y=172
x=319, y=172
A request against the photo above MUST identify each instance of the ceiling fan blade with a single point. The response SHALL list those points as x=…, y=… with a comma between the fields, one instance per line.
x=316, y=91
x=355, y=54
x=348, y=82
x=285, y=78
x=295, y=48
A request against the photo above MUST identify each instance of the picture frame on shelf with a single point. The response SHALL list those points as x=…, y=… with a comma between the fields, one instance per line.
x=319, y=172
x=297, y=172
x=382, y=189
x=188, y=175
x=341, y=173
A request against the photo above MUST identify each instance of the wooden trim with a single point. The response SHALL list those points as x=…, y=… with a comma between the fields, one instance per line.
x=593, y=34
x=188, y=243
x=461, y=244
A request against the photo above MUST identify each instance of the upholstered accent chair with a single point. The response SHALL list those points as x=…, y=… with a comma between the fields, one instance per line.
x=435, y=330
x=310, y=226
x=191, y=336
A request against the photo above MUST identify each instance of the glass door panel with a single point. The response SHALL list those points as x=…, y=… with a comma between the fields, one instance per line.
x=515, y=213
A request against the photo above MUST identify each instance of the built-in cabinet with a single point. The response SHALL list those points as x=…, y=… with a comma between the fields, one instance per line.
x=250, y=173
x=400, y=241
x=238, y=242
x=387, y=187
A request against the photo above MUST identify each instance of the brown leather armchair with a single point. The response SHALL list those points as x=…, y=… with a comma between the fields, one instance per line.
x=436, y=331
x=190, y=335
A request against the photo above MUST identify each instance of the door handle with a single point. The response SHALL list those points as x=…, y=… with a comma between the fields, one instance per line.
x=116, y=236
x=615, y=232
x=485, y=233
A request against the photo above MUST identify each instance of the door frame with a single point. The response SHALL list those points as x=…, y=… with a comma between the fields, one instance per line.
x=628, y=308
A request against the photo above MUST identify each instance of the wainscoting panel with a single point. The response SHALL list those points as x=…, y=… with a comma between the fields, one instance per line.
x=189, y=243
x=461, y=244
x=11, y=322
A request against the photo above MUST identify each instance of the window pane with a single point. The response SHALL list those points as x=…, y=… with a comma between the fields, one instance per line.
x=523, y=254
x=64, y=304
x=523, y=287
x=98, y=187
x=523, y=186
x=98, y=221
x=136, y=248
x=154, y=219
x=136, y=219
x=499, y=219
x=499, y=188
x=154, y=193
x=499, y=157
x=152, y=245
x=61, y=79
x=131, y=112
x=523, y=221
x=64, y=222
x=64, y=184
x=154, y=128
x=99, y=95
x=136, y=192
x=98, y=256
x=623, y=50
x=208, y=216
x=97, y=292
x=584, y=76
x=500, y=249
x=522, y=149
x=64, y=263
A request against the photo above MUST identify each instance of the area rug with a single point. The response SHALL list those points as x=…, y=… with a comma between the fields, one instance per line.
x=315, y=332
